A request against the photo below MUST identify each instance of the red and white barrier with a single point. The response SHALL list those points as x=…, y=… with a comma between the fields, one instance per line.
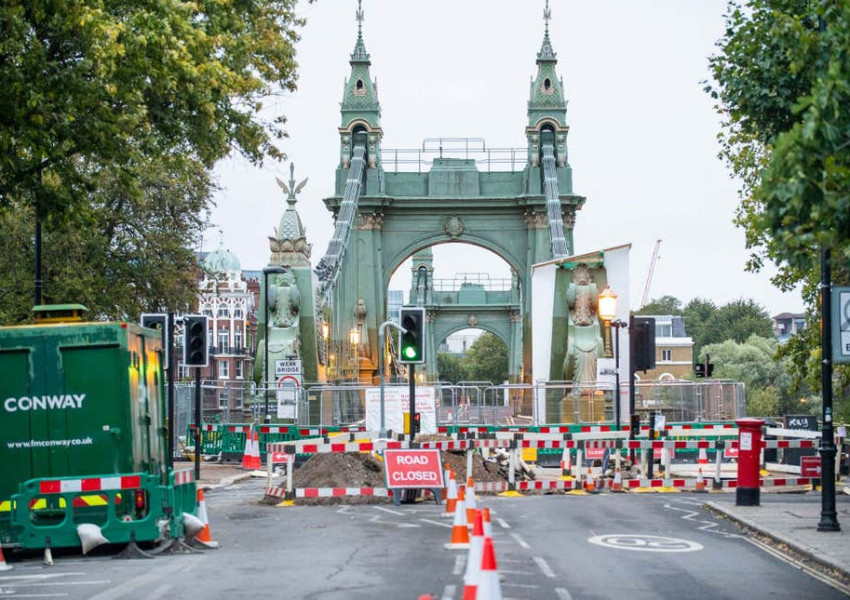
x=93, y=484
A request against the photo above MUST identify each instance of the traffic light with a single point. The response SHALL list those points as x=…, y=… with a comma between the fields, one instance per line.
x=195, y=341
x=417, y=422
x=642, y=336
x=158, y=321
x=412, y=341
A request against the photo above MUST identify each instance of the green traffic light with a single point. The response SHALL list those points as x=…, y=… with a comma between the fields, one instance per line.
x=410, y=352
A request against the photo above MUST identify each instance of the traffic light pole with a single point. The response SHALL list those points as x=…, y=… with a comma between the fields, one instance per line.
x=170, y=397
x=412, y=382
x=197, y=423
x=828, y=514
x=382, y=432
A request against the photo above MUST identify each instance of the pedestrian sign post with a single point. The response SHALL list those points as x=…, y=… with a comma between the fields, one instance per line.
x=841, y=324
x=288, y=380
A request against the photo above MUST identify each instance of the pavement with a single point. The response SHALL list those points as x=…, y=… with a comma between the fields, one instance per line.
x=794, y=523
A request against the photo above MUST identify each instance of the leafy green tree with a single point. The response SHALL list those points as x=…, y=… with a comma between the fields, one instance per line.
x=697, y=314
x=88, y=85
x=737, y=321
x=450, y=367
x=782, y=81
x=120, y=254
x=666, y=305
x=487, y=359
x=753, y=362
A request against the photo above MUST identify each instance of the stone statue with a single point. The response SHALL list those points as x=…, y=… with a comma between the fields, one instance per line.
x=284, y=307
x=584, y=342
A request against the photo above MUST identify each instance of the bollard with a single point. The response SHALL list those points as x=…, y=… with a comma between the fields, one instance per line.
x=512, y=468
x=718, y=461
x=469, y=452
x=580, y=465
x=749, y=451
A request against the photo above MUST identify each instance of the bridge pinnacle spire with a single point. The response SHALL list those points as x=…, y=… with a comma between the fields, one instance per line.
x=547, y=94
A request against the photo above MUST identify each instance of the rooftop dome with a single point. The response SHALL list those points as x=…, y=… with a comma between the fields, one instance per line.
x=221, y=260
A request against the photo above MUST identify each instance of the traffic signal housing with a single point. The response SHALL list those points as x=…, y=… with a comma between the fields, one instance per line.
x=412, y=339
x=642, y=336
x=195, y=352
x=158, y=321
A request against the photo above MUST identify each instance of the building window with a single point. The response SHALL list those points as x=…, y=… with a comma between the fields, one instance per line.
x=223, y=311
x=223, y=369
x=224, y=398
x=207, y=310
x=223, y=341
x=666, y=355
x=663, y=330
x=237, y=312
x=237, y=340
x=239, y=370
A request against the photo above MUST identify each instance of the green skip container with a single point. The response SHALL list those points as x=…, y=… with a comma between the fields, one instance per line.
x=83, y=436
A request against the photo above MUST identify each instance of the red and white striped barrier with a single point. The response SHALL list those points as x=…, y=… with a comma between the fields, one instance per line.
x=92, y=484
x=183, y=477
x=327, y=448
x=784, y=444
x=280, y=492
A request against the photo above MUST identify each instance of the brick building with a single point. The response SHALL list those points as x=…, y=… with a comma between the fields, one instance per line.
x=674, y=350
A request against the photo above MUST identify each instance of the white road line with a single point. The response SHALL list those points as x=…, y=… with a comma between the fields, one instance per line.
x=62, y=583
x=503, y=523
x=149, y=578
x=563, y=594
x=520, y=541
x=40, y=595
x=528, y=586
x=389, y=510
x=814, y=574
x=344, y=509
x=460, y=564
x=437, y=523
x=547, y=571
x=449, y=592
x=47, y=576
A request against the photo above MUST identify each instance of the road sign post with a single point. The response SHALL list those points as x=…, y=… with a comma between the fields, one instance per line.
x=841, y=324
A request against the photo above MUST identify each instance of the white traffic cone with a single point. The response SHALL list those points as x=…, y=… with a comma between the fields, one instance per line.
x=703, y=457
x=473, y=559
x=489, y=587
x=204, y=537
x=460, y=531
x=566, y=465
x=451, y=496
x=700, y=484
x=470, y=501
x=3, y=565
x=488, y=527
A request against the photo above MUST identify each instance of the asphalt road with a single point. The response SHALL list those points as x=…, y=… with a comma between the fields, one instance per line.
x=602, y=546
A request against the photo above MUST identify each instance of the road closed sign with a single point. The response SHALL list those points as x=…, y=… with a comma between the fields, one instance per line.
x=413, y=468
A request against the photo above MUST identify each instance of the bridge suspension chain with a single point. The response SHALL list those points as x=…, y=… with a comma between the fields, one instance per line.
x=329, y=267
x=553, y=202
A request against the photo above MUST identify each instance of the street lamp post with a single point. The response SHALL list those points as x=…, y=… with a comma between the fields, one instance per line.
x=266, y=272
x=382, y=432
x=608, y=314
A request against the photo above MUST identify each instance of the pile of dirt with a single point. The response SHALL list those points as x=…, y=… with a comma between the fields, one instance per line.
x=341, y=470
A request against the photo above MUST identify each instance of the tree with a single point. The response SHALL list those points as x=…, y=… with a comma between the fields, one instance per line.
x=697, y=314
x=450, y=368
x=487, y=359
x=94, y=85
x=753, y=362
x=782, y=81
x=737, y=321
x=120, y=254
x=666, y=305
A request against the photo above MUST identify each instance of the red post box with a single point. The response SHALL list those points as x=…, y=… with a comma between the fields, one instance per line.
x=749, y=453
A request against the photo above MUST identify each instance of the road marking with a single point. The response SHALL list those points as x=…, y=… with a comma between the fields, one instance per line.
x=48, y=576
x=644, y=543
x=813, y=573
x=563, y=594
x=520, y=541
x=149, y=578
x=437, y=523
x=160, y=592
x=547, y=571
x=344, y=509
x=529, y=586
x=16, y=595
x=709, y=526
x=62, y=583
x=449, y=592
x=389, y=510
x=460, y=564
x=503, y=523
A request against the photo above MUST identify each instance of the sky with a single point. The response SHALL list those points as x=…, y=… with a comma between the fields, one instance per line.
x=642, y=142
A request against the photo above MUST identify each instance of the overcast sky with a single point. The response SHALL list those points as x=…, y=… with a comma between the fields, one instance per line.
x=642, y=141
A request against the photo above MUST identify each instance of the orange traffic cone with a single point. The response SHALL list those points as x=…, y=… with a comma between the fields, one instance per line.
x=204, y=537
x=3, y=565
x=703, y=456
x=700, y=484
x=451, y=496
x=460, y=530
x=590, y=482
x=489, y=587
x=488, y=527
x=251, y=457
x=617, y=484
x=473, y=560
x=470, y=501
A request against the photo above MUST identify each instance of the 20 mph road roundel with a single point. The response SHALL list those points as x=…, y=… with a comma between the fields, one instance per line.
x=644, y=543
